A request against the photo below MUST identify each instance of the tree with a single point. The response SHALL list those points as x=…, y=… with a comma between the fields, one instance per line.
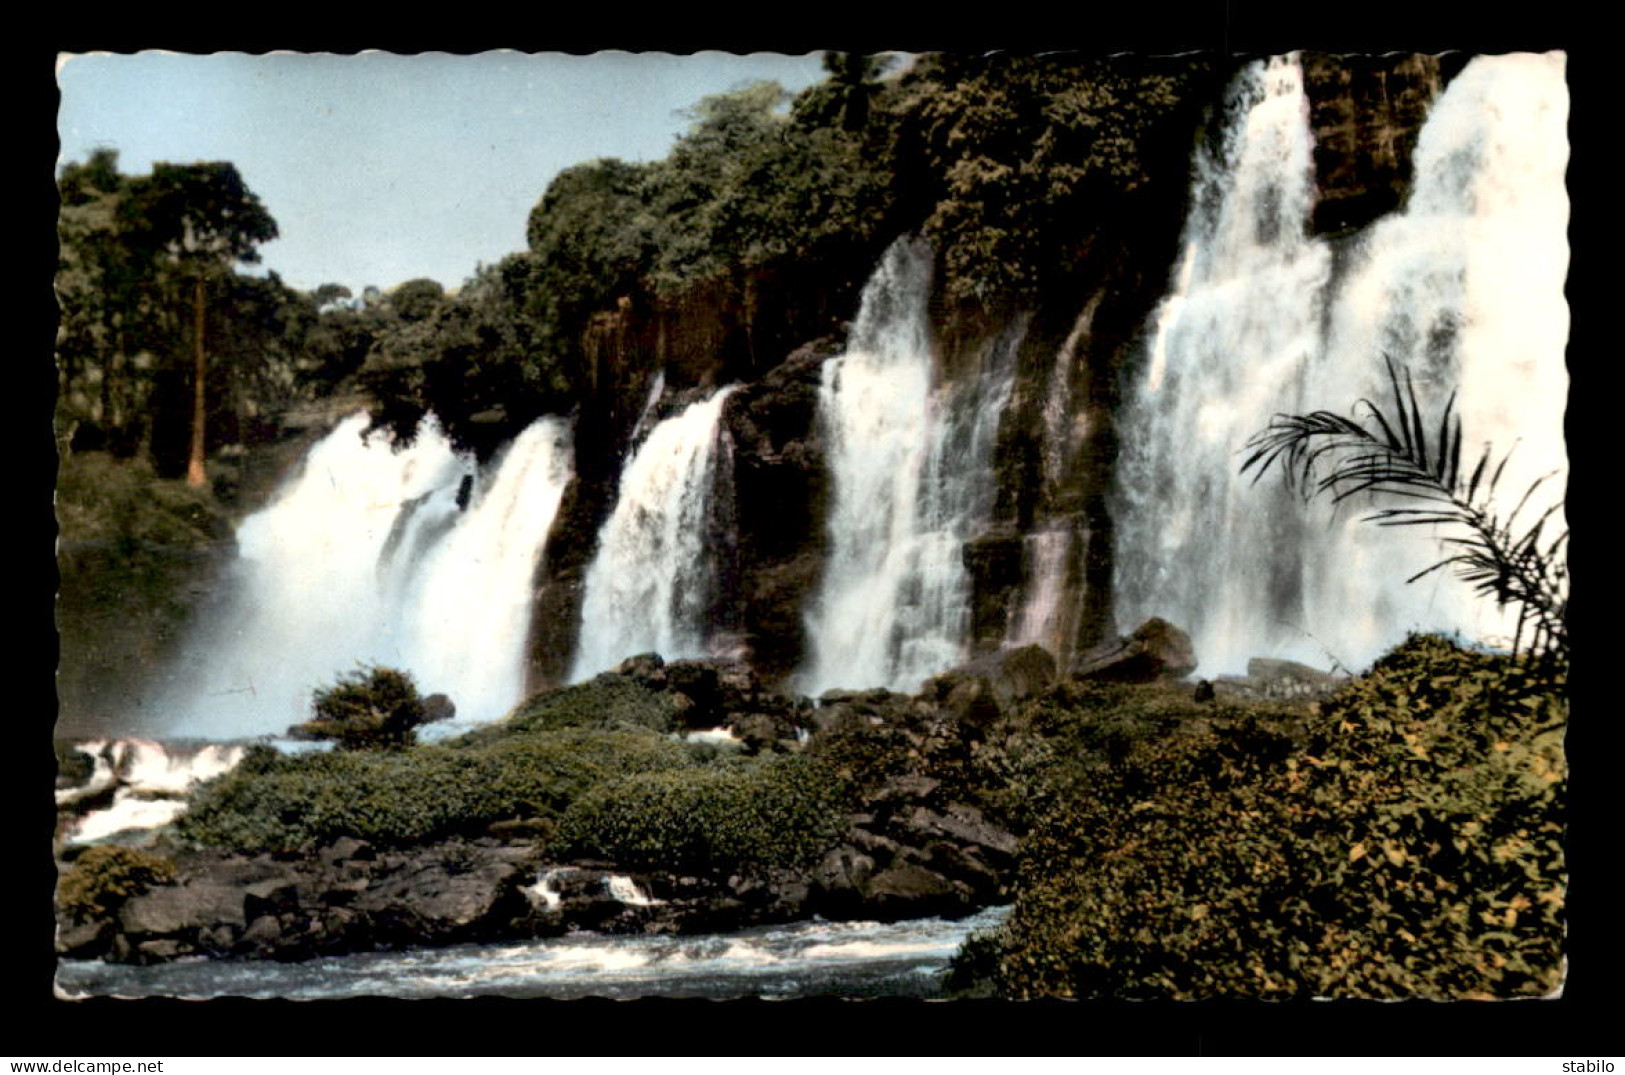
x=1392, y=457
x=107, y=331
x=375, y=708
x=195, y=222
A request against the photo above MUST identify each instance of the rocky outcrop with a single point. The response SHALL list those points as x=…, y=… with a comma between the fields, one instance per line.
x=920, y=839
x=1157, y=651
x=780, y=485
x=1366, y=112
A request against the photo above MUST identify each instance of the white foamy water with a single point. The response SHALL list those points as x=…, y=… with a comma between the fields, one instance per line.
x=910, y=456
x=467, y=606
x=802, y=959
x=367, y=557
x=1258, y=324
x=151, y=780
x=650, y=586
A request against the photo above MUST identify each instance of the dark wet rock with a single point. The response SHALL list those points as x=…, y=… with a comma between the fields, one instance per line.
x=347, y=849
x=837, y=882
x=912, y=891
x=459, y=890
x=646, y=668
x=262, y=933
x=177, y=908
x=84, y=940
x=161, y=950
x=438, y=707
x=964, y=824
x=1366, y=113
x=270, y=898
x=1157, y=651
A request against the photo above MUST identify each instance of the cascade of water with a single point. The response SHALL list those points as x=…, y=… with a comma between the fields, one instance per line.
x=1465, y=290
x=1257, y=325
x=912, y=480
x=650, y=585
x=307, y=604
x=1046, y=616
x=467, y=611
x=368, y=556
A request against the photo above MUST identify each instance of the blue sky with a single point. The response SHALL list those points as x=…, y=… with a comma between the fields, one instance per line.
x=379, y=168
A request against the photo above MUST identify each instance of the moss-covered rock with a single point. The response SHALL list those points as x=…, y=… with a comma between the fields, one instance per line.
x=103, y=878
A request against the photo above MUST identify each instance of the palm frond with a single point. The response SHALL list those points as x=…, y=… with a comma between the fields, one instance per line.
x=1323, y=453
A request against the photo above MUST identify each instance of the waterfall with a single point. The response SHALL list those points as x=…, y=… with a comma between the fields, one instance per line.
x=911, y=461
x=1463, y=287
x=652, y=581
x=468, y=612
x=373, y=555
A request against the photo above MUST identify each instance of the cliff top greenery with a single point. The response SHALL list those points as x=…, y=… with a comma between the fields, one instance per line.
x=1002, y=162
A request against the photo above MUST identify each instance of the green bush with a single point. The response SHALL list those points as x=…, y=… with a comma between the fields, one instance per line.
x=784, y=812
x=1410, y=845
x=374, y=708
x=297, y=803
x=606, y=701
x=101, y=879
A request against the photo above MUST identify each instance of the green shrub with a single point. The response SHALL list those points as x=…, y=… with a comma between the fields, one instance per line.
x=784, y=812
x=1409, y=846
x=101, y=879
x=606, y=701
x=404, y=797
x=374, y=708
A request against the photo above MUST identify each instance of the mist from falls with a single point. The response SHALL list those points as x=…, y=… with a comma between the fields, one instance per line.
x=414, y=558
x=911, y=459
x=1463, y=288
x=651, y=584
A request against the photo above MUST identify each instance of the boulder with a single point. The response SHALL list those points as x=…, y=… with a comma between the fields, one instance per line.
x=346, y=849
x=965, y=825
x=178, y=908
x=270, y=898
x=840, y=874
x=648, y=669
x=451, y=889
x=912, y=891
x=1156, y=652
x=438, y=707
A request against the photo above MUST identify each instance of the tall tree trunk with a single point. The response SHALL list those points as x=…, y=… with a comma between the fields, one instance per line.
x=195, y=476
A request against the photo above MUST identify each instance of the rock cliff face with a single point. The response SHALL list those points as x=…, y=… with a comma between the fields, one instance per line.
x=1041, y=570
x=1366, y=112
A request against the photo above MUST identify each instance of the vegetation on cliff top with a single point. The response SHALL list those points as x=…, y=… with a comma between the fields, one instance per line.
x=1002, y=162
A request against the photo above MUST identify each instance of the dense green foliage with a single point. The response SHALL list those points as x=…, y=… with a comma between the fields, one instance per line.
x=1017, y=156
x=590, y=753
x=607, y=701
x=137, y=252
x=1002, y=162
x=1406, y=841
x=784, y=812
x=134, y=551
x=101, y=879
x=373, y=708
x=275, y=803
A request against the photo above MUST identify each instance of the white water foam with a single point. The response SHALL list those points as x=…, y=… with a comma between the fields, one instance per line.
x=407, y=557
